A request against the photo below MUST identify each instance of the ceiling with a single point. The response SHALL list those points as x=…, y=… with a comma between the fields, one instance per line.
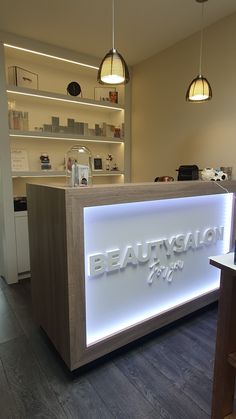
x=142, y=28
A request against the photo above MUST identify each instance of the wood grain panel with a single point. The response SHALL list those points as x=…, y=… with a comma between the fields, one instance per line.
x=49, y=268
x=224, y=374
x=138, y=192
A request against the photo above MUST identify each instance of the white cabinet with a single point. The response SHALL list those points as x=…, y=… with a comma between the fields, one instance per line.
x=22, y=243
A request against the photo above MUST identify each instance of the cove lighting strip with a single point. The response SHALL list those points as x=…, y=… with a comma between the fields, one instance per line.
x=112, y=330
x=51, y=56
x=43, y=137
x=63, y=100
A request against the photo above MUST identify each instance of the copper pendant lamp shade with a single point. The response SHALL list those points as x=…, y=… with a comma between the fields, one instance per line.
x=199, y=89
x=113, y=68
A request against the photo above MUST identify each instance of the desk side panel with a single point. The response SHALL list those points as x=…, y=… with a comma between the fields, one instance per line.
x=48, y=259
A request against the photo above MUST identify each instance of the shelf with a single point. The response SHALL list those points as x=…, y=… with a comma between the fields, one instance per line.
x=107, y=173
x=42, y=95
x=231, y=416
x=42, y=173
x=63, y=136
x=61, y=173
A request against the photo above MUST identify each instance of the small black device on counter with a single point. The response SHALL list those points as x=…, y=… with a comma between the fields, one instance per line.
x=190, y=172
x=20, y=203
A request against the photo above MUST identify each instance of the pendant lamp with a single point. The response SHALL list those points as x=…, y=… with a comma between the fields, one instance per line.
x=199, y=89
x=113, y=68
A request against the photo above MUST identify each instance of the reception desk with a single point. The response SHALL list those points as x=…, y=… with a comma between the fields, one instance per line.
x=110, y=264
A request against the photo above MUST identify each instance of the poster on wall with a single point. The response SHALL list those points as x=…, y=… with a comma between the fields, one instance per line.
x=19, y=160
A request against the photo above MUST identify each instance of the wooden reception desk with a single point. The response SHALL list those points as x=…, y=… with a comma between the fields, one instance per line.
x=111, y=264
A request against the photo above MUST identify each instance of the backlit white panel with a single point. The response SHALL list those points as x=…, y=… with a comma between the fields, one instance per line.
x=147, y=257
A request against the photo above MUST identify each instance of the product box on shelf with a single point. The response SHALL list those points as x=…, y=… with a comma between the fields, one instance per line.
x=18, y=120
x=18, y=76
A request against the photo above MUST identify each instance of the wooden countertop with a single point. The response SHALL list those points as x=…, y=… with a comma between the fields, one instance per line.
x=225, y=262
x=137, y=192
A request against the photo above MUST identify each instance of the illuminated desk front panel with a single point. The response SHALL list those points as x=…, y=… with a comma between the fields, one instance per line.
x=122, y=261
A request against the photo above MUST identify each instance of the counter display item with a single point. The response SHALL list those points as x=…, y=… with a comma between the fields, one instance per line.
x=45, y=162
x=188, y=172
x=78, y=166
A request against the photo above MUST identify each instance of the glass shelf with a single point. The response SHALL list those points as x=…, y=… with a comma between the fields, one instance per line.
x=61, y=173
x=64, y=137
x=13, y=91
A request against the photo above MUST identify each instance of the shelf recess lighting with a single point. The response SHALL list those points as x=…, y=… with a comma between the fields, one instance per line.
x=52, y=137
x=199, y=89
x=51, y=56
x=113, y=68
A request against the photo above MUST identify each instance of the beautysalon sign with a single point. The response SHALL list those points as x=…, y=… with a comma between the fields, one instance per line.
x=145, y=258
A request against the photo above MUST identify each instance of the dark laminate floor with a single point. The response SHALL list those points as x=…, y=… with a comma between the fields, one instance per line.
x=168, y=375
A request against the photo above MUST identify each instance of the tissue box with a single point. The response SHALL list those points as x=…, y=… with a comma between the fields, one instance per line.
x=18, y=76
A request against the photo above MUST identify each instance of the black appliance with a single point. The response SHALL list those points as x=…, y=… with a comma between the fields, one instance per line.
x=190, y=172
x=20, y=203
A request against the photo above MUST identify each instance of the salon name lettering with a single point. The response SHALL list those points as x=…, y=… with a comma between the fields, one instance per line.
x=113, y=260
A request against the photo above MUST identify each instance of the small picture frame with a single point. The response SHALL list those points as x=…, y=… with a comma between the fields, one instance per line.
x=113, y=96
x=97, y=163
x=19, y=160
x=107, y=94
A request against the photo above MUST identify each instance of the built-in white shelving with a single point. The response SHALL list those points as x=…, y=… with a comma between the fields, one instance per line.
x=55, y=69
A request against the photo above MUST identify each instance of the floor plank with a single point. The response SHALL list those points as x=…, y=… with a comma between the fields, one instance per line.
x=161, y=392
x=73, y=391
x=27, y=383
x=9, y=326
x=8, y=405
x=189, y=348
x=193, y=383
x=120, y=395
x=18, y=297
x=78, y=398
x=168, y=375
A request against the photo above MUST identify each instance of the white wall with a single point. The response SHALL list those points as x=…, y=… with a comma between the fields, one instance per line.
x=166, y=130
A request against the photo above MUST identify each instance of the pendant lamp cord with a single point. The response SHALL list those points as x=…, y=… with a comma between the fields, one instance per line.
x=201, y=42
x=113, y=25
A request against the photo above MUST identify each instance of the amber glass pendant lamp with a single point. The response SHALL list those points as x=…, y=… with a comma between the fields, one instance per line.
x=199, y=89
x=113, y=68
